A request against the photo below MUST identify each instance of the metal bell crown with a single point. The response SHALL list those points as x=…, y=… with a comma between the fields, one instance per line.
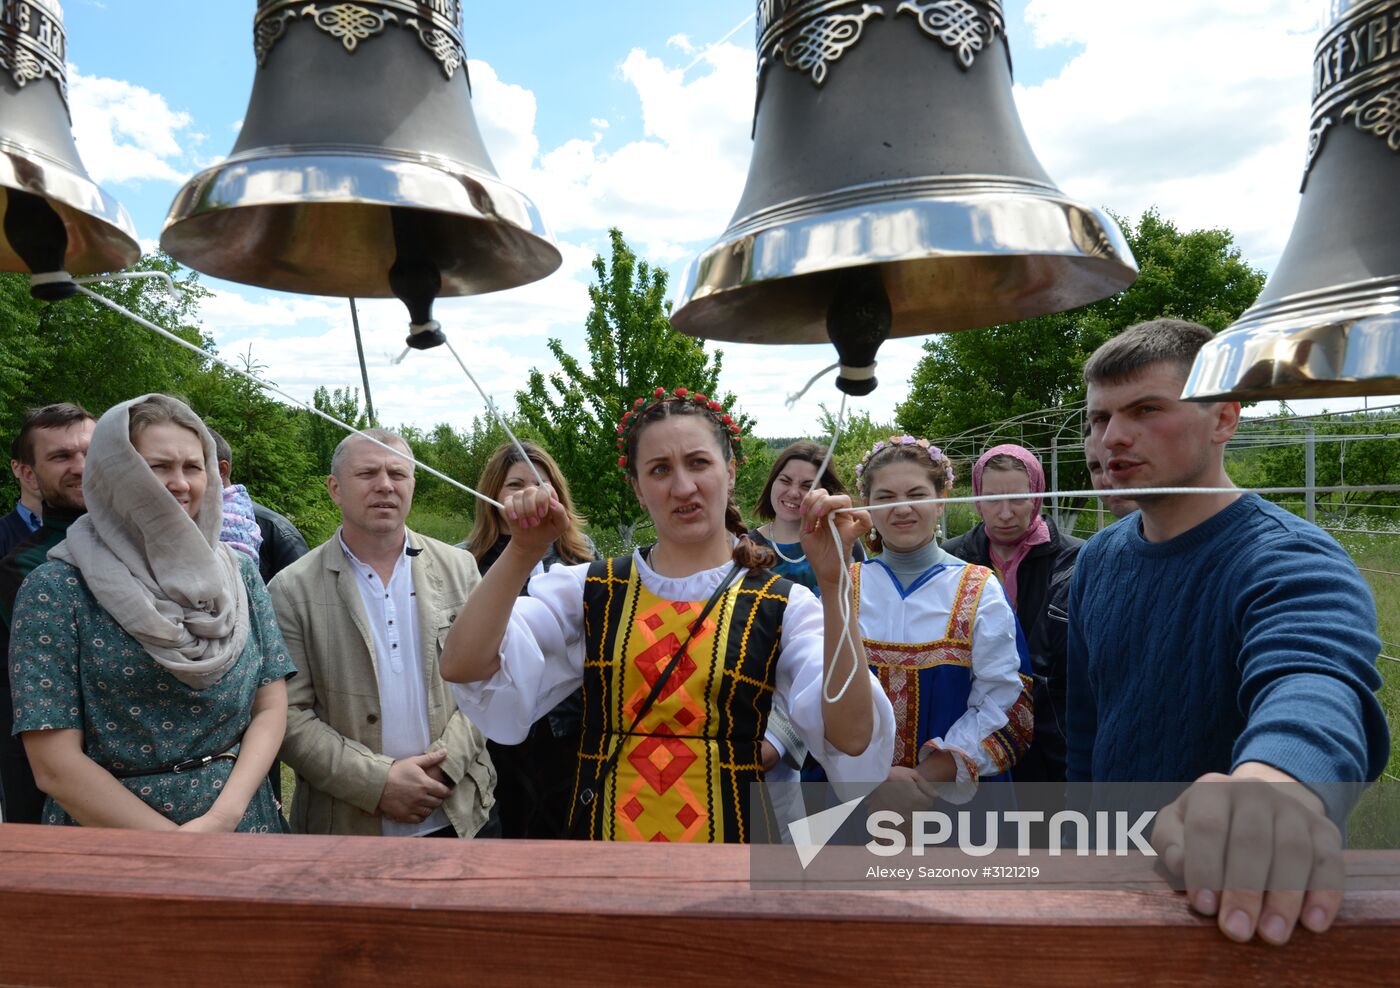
x=56, y=219
x=892, y=190
x=1328, y=321
x=360, y=170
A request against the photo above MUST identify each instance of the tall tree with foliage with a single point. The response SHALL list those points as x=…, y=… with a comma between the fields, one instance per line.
x=77, y=350
x=969, y=379
x=632, y=350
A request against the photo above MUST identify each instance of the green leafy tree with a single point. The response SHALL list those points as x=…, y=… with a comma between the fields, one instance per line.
x=966, y=383
x=859, y=433
x=77, y=350
x=632, y=350
x=322, y=437
x=1356, y=449
x=966, y=380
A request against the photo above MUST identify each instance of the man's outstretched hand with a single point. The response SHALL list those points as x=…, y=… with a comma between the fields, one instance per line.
x=1256, y=850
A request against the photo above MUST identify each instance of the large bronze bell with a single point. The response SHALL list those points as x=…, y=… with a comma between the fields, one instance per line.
x=1328, y=322
x=57, y=221
x=892, y=190
x=360, y=170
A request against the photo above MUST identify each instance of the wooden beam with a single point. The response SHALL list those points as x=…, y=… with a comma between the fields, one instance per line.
x=102, y=907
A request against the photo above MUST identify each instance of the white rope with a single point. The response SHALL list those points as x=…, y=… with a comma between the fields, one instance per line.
x=793, y=399
x=843, y=591
x=844, y=581
x=491, y=405
x=1131, y=493
x=715, y=44
x=102, y=300
x=821, y=471
x=170, y=287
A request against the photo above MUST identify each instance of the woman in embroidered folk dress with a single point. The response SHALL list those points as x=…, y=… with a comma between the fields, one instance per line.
x=670, y=757
x=147, y=666
x=940, y=635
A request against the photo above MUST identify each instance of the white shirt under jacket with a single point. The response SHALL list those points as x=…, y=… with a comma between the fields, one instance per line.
x=398, y=666
x=542, y=662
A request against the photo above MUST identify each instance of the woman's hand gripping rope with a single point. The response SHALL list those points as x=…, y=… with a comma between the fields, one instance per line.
x=830, y=559
x=535, y=520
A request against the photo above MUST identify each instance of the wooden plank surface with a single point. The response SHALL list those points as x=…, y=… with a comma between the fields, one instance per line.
x=103, y=907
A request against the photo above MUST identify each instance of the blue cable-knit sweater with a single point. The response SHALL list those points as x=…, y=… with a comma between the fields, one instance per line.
x=1250, y=638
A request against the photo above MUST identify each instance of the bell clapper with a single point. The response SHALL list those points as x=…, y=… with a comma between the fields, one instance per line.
x=857, y=322
x=52, y=286
x=36, y=233
x=415, y=278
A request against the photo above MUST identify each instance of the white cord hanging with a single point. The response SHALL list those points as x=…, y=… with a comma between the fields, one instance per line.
x=166, y=334
x=830, y=452
x=793, y=399
x=491, y=405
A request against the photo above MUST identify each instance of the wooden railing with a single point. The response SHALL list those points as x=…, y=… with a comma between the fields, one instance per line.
x=124, y=908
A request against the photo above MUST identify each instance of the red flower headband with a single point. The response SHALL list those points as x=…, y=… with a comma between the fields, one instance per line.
x=627, y=428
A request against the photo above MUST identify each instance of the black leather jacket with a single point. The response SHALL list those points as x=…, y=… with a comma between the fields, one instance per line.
x=1042, y=602
x=282, y=543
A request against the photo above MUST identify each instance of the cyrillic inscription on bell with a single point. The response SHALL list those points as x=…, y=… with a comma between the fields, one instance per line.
x=886, y=138
x=56, y=220
x=360, y=170
x=1328, y=322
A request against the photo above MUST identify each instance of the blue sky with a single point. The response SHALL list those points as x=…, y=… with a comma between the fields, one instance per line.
x=585, y=107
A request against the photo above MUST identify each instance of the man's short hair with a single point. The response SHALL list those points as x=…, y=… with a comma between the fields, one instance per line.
x=222, y=450
x=56, y=416
x=1132, y=351
x=383, y=435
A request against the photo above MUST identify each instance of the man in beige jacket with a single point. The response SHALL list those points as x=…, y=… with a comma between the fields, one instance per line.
x=373, y=734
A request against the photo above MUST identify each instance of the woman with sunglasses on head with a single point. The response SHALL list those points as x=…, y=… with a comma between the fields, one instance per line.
x=534, y=779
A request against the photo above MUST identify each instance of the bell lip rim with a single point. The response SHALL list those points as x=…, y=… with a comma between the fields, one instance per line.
x=539, y=237
x=76, y=192
x=117, y=215
x=693, y=293
x=431, y=164
x=1358, y=297
x=1333, y=387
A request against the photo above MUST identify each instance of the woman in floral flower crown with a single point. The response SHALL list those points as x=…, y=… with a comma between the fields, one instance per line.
x=939, y=634
x=683, y=649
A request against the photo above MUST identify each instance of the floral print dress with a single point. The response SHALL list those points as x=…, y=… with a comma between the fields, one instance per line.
x=72, y=666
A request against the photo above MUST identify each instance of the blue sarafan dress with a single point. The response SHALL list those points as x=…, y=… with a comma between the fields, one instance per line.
x=73, y=667
x=951, y=658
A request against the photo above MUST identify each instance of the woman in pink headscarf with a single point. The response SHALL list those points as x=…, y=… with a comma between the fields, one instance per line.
x=1035, y=562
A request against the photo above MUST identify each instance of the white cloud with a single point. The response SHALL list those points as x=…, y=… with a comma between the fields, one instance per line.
x=679, y=183
x=1197, y=107
x=506, y=115
x=126, y=133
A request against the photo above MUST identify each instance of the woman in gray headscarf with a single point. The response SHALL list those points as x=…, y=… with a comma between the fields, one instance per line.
x=147, y=667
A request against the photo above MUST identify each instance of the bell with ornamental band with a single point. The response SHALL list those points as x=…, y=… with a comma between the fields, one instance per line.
x=892, y=190
x=360, y=170
x=57, y=222
x=1328, y=322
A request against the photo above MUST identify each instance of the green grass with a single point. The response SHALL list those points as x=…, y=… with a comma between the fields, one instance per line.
x=1376, y=821
x=449, y=528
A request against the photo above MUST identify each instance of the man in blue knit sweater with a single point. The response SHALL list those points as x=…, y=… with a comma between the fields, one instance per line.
x=1219, y=640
